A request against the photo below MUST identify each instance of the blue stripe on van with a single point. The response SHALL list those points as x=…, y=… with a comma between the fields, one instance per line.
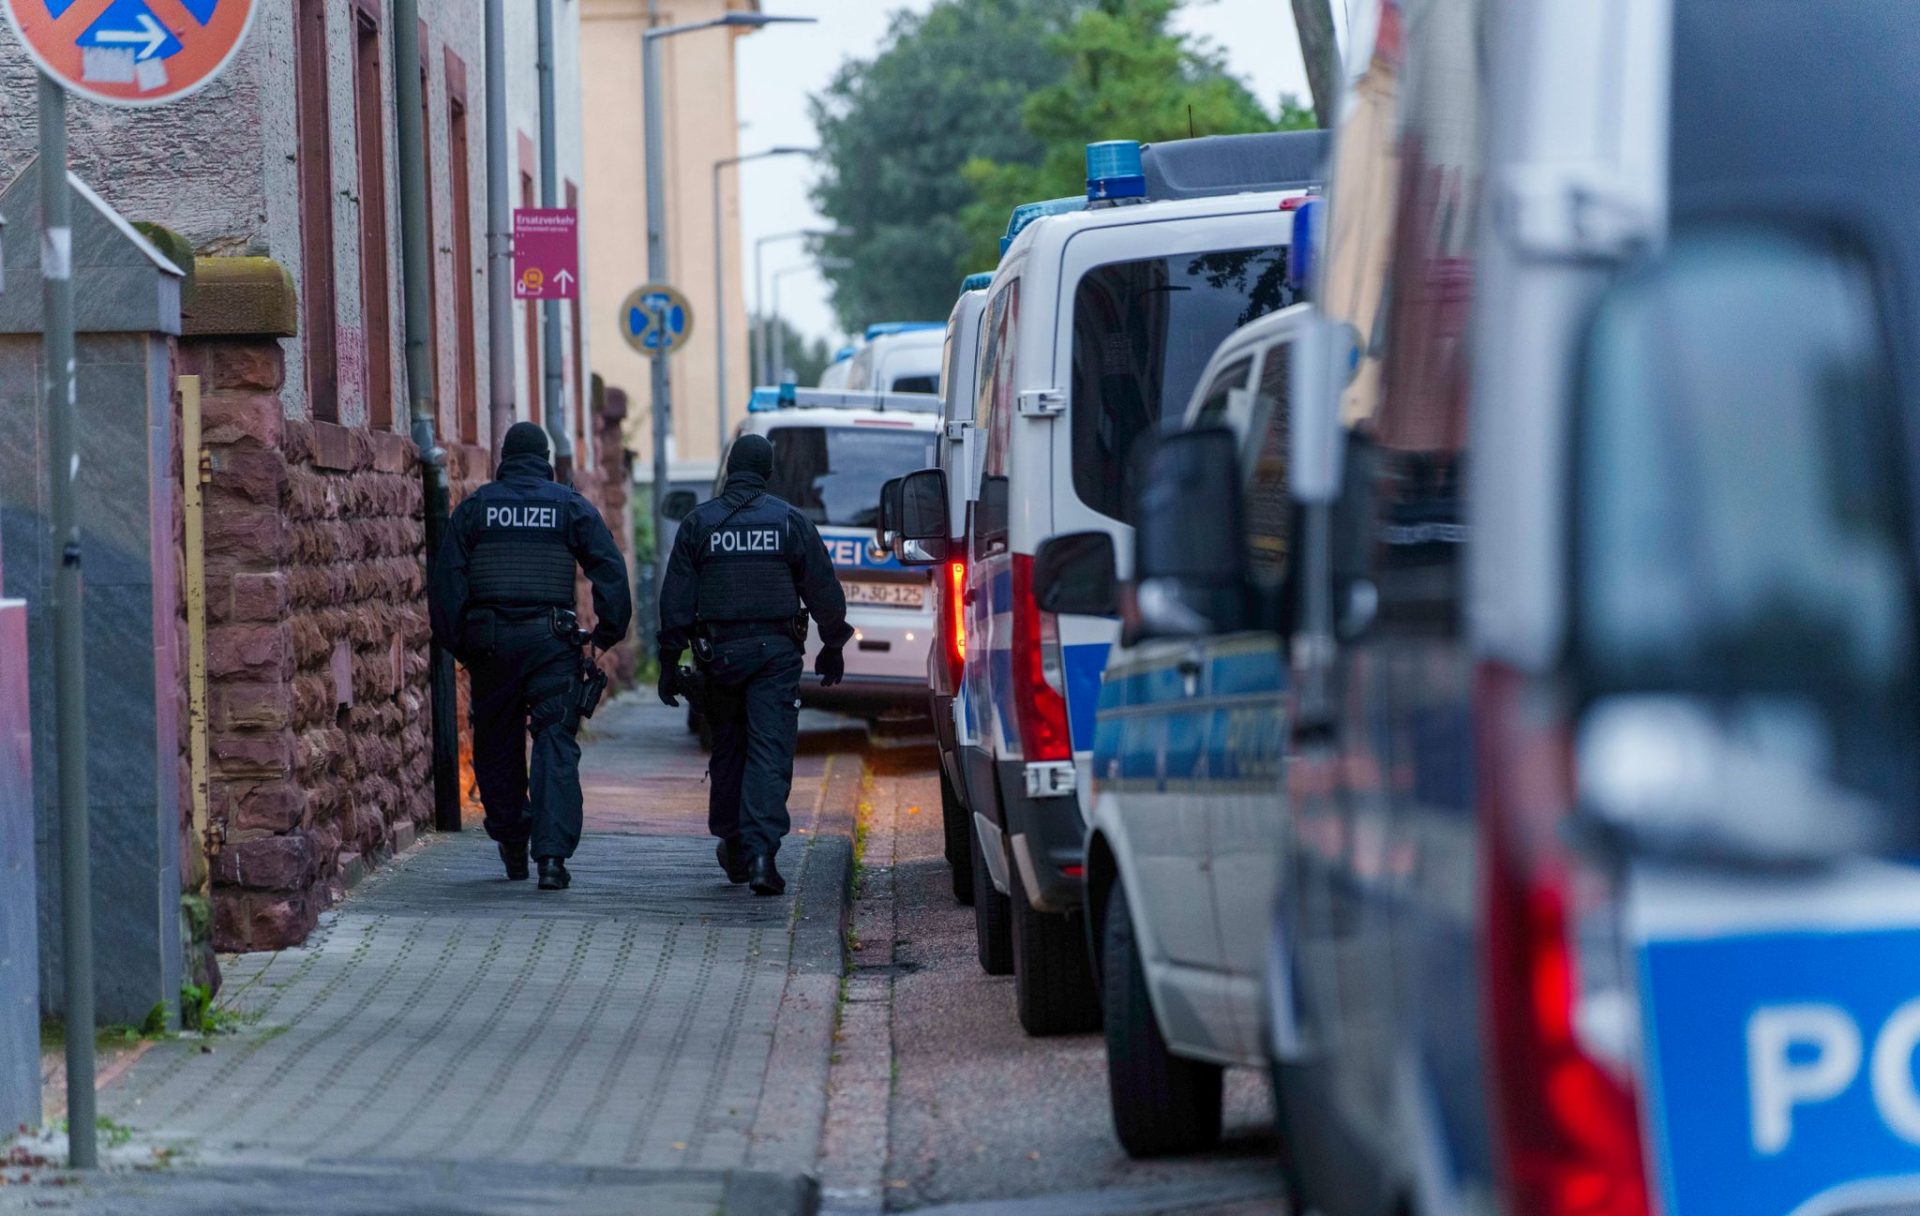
x=1085, y=664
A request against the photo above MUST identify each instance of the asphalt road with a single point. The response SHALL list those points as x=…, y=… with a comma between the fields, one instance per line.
x=979, y=1117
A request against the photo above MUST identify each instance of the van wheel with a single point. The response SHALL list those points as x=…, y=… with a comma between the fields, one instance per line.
x=958, y=823
x=1053, y=984
x=1162, y=1104
x=992, y=917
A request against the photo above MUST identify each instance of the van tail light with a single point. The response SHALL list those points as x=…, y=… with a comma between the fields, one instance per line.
x=956, y=619
x=1558, y=998
x=1039, y=701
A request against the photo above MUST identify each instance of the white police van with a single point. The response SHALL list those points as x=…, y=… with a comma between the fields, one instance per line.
x=898, y=357
x=835, y=374
x=958, y=453
x=1183, y=858
x=832, y=451
x=1098, y=323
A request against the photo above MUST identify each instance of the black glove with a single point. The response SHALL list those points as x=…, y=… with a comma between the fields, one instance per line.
x=669, y=684
x=830, y=666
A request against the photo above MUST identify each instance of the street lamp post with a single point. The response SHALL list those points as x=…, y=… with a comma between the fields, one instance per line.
x=720, y=288
x=779, y=328
x=657, y=224
x=766, y=369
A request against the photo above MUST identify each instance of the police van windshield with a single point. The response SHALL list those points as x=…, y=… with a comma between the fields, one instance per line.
x=834, y=473
x=1142, y=334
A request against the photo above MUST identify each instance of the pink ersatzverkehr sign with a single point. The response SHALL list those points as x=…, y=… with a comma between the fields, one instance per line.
x=546, y=253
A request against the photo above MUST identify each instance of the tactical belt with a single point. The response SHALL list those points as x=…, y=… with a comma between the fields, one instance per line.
x=721, y=632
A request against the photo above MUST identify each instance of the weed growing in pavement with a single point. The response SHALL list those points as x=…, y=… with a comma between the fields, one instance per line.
x=112, y=1134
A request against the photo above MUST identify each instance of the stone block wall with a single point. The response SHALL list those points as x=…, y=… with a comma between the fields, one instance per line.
x=316, y=649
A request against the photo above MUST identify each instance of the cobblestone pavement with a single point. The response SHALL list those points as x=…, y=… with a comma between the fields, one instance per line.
x=610, y=1043
x=942, y=1105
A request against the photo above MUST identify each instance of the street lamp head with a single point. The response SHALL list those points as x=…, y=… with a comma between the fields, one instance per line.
x=785, y=150
x=756, y=20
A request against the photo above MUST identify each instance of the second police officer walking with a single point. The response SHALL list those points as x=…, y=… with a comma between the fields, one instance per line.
x=502, y=603
x=743, y=567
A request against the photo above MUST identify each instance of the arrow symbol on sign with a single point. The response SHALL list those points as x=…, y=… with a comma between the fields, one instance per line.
x=564, y=279
x=151, y=32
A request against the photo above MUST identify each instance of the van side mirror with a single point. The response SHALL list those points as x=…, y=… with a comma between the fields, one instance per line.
x=886, y=517
x=925, y=524
x=679, y=504
x=1076, y=574
x=1190, y=542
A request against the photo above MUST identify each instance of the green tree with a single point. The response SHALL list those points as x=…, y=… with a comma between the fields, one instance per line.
x=1128, y=75
x=947, y=88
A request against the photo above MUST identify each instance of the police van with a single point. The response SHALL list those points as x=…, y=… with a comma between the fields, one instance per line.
x=1183, y=851
x=898, y=357
x=832, y=451
x=1098, y=323
x=958, y=453
x=1600, y=849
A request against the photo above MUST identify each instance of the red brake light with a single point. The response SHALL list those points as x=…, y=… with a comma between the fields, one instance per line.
x=1566, y=1115
x=956, y=618
x=1039, y=708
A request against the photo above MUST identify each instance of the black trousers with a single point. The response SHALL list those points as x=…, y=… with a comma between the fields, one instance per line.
x=522, y=686
x=753, y=690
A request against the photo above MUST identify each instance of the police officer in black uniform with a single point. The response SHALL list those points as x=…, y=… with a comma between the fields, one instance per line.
x=502, y=603
x=742, y=568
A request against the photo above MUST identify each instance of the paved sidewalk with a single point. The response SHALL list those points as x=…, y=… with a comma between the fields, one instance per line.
x=612, y=1043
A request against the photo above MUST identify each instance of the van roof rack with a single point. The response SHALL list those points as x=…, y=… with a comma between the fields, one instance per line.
x=768, y=398
x=1235, y=164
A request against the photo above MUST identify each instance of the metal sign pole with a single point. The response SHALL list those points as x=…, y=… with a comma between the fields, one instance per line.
x=69, y=653
x=657, y=273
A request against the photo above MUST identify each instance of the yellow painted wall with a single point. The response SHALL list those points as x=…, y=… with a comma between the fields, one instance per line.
x=702, y=127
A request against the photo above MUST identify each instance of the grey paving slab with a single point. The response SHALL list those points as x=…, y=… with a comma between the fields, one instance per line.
x=617, y=1041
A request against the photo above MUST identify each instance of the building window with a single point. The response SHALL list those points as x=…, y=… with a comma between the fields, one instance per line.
x=318, y=315
x=376, y=305
x=466, y=402
x=581, y=405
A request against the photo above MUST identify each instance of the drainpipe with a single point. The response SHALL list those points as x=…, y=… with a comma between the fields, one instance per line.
x=501, y=410
x=556, y=377
x=416, y=250
x=195, y=473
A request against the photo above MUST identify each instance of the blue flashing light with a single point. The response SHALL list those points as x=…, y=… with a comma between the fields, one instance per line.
x=1303, y=255
x=881, y=329
x=845, y=353
x=764, y=400
x=1115, y=170
x=1026, y=213
x=976, y=282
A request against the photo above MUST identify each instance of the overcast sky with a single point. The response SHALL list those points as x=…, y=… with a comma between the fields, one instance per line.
x=780, y=67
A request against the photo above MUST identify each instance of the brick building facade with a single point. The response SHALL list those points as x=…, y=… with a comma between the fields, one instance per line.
x=277, y=187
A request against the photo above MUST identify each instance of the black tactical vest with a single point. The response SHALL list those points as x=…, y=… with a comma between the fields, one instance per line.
x=520, y=555
x=744, y=564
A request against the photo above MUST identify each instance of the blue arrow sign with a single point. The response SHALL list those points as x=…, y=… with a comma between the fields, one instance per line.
x=657, y=322
x=131, y=25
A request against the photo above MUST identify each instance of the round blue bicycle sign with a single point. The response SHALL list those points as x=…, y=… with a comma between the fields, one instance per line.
x=656, y=319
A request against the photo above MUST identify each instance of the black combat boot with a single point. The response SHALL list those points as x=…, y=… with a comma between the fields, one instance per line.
x=514, y=857
x=764, y=877
x=553, y=874
x=731, y=863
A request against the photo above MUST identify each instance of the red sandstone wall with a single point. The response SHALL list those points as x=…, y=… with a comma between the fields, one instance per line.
x=316, y=650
